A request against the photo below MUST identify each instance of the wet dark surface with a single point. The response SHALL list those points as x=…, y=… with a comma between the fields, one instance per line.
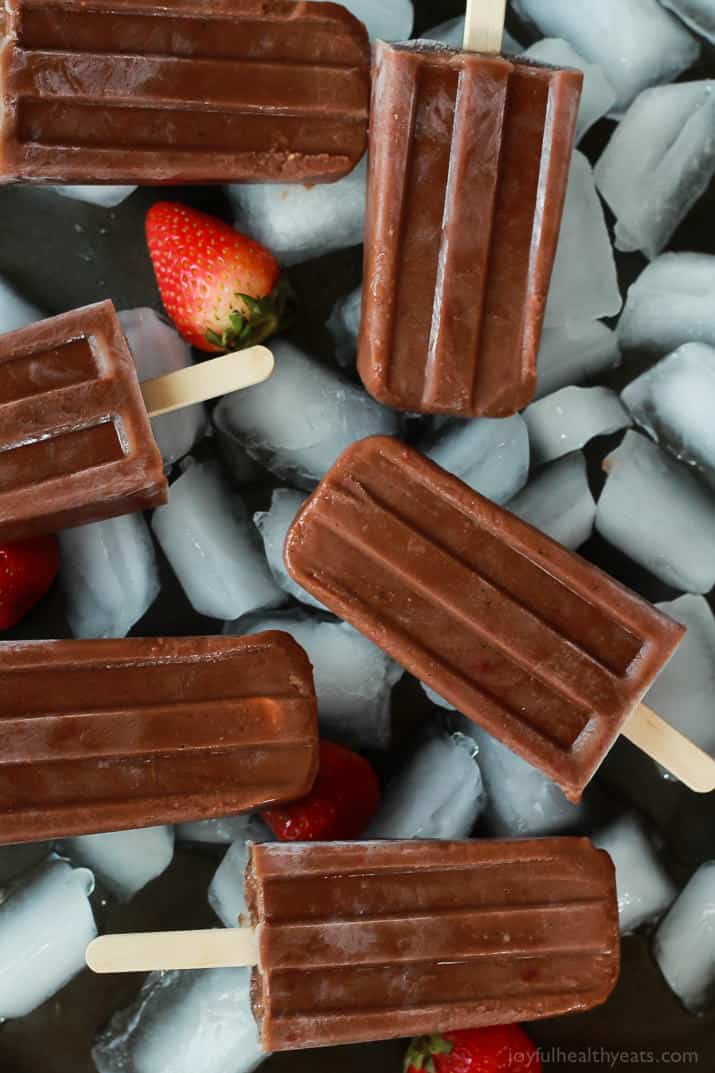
x=61, y=254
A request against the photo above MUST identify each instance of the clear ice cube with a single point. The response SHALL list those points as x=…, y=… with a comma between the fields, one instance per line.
x=299, y=421
x=344, y=326
x=571, y=418
x=438, y=793
x=273, y=525
x=209, y=539
x=656, y=511
x=558, y=501
x=388, y=22
x=227, y=895
x=106, y=197
x=637, y=44
x=184, y=1022
x=670, y=303
x=521, y=801
x=223, y=830
x=658, y=163
x=15, y=311
x=109, y=575
x=675, y=402
x=123, y=861
x=573, y=352
x=699, y=15
x=684, y=944
x=584, y=283
x=299, y=223
x=46, y=923
x=683, y=691
x=491, y=455
x=644, y=888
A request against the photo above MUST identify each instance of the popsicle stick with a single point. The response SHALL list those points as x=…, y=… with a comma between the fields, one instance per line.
x=484, y=25
x=209, y=380
x=218, y=948
x=680, y=756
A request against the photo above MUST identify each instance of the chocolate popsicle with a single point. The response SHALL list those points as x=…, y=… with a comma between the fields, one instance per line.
x=543, y=650
x=130, y=91
x=469, y=161
x=76, y=445
x=372, y=940
x=106, y=735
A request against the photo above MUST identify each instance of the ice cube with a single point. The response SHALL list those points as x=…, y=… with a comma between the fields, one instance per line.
x=158, y=349
x=637, y=44
x=300, y=222
x=573, y=352
x=184, y=1022
x=14, y=860
x=675, y=402
x=598, y=96
x=521, y=801
x=437, y=794
x=299, y=421
x=273, y=526
x=109, y=575
x=344, y=326
x=570, y=418
x=659, y=161
x=644, y=888
x=353, y=678
x=451, y=32
x=213, y=546
x=46, y=923
x=389, y=22
x=107, y=197
x=656, y=511
x=699, y=15
x=683, y=691
x=226, y=892
x=491, y=455
x=224, y=830
x=584, y=284
x=558, y=501
x=15, y=312
x=670, y=303
x=684, y=944
x=237, y=461
x=123, y=861
x=436, y=699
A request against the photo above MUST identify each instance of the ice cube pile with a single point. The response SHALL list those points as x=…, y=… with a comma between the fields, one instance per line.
x=615, y=458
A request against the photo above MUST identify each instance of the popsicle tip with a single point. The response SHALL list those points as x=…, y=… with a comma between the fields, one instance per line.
x=259, y=359
x=94, y=955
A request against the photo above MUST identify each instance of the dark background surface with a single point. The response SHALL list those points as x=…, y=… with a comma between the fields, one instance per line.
x=61, y=254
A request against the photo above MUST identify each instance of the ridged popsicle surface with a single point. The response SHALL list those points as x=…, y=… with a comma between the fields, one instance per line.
x=365, y=941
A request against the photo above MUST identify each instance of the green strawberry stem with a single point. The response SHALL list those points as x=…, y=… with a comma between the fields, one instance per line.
x=259, y=319
x=421, y=1051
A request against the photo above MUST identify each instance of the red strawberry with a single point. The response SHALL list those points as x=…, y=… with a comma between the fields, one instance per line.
x=342, y=802
x=27, y=570
x=501, y=1049
x=220, y=288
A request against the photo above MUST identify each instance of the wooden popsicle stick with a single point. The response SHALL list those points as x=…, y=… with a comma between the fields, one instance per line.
x=218, y=948
x=208, y=380
x=484, y=26
x=678, y=755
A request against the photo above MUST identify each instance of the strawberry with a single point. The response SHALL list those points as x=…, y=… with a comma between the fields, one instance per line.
x=221, y=289
x=501, y=1049
x=342, y=802
x=27, y=570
